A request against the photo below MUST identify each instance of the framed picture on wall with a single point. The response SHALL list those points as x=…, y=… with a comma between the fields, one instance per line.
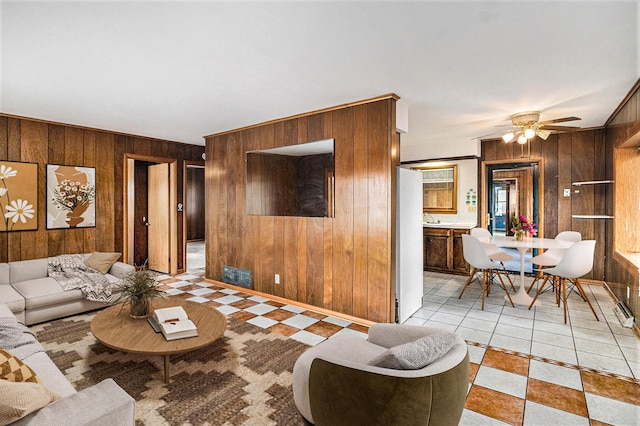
x=18, y=196
x=71, y=197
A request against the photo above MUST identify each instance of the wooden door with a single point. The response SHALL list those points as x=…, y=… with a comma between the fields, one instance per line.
x=158, y=218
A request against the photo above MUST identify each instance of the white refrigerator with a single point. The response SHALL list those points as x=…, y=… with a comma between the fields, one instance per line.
x=409, y=267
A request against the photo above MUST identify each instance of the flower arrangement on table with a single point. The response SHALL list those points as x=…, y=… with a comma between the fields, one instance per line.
x=521, y=226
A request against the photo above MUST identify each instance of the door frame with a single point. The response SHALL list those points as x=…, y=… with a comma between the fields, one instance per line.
x=186, y=164
x=540, y=188
x=128, y=201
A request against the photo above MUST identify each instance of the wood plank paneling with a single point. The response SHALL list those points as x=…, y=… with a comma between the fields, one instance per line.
x=105, y=194
x=54, y=143
x=343, y=237
x=34, y=149
x=378, y=188
x=360, y=212
x=342, y=263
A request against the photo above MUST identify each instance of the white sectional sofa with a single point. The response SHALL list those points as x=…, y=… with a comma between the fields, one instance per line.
x=104, y=404
x=28, y=295
x=35, y=297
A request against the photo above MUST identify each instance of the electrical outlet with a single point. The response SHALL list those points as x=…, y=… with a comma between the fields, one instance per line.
x=277, y=278
x=567, y=192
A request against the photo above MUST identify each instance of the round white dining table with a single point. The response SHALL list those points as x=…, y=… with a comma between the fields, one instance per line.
x=521, y=297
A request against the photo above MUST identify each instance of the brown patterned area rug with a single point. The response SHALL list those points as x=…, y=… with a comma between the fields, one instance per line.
x=242, y=379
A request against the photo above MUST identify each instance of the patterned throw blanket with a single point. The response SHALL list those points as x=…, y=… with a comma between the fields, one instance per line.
x=17, y=338
x=71, y=272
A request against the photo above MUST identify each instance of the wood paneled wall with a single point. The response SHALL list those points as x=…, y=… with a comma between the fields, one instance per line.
x=42, y=142
x=195, y=203
x=345, y=263
x=568, y=158
x=622, y=132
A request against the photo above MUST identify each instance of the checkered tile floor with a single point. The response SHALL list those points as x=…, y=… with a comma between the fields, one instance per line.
x=508, y=385
x=292, y=321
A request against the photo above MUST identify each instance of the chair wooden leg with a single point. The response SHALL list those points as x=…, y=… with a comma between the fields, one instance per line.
x=505, y=289
x=504, y=268
x=563, y=282
x=535, y=280
x=484, y=286
x=556, y=288
x=539, y=291
x=584, y=295
x=471, y=276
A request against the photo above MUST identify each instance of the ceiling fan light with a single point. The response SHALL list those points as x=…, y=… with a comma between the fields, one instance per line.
x=522, y=139
x=529, y=133
x=508, y=137
x=544, y=134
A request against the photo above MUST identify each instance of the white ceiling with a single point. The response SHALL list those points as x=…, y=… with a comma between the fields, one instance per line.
x=181, y=70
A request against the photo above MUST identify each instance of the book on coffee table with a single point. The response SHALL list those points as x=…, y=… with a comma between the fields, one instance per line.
x=174, y=323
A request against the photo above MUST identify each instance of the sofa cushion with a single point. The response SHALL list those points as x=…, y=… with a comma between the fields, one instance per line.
x=102, y=262
x=10, y=297
x=49, y=374
x=417, y=354
x=14, y=370
x=19, y=399
x=42, y=292
x=23, y=270
x=5, y=276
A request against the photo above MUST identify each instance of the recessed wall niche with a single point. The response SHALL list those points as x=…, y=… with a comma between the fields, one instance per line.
x=294, y=180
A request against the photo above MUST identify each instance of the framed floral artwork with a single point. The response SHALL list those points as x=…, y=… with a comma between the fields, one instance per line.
x=18, y=196
x=71, y=197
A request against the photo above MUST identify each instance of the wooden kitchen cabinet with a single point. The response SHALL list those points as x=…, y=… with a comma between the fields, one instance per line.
x=443, y=250
x=436, y=242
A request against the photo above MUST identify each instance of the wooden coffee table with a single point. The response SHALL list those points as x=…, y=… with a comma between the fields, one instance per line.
x=113, y=327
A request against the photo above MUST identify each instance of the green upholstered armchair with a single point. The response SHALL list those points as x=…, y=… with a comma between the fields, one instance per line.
x=333, y=384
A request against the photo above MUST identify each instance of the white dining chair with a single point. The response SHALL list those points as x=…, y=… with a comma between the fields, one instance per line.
x=577, y=262
x=494, y=253
x=552, y=257
x=477, y=258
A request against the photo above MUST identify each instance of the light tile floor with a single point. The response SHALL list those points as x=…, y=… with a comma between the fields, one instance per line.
x=527, y=367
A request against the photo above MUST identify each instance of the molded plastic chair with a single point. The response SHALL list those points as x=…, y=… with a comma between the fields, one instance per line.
x=552, y=257
x=493, y=251
x=577, y=262
x=477, y=257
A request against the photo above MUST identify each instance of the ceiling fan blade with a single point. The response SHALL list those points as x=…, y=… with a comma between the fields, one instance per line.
x=560, y=128
x=559, y=120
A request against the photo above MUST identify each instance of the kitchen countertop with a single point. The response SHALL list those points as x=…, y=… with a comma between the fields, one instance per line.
x=448, y=225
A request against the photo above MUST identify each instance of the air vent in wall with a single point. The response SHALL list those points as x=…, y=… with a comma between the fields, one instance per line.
x=624, y=315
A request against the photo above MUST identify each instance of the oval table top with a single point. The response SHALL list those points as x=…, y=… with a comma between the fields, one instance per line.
x=527, y=242
x=114, y=328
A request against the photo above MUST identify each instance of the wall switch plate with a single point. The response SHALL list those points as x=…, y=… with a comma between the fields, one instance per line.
x=567, y=192
x=277, y=278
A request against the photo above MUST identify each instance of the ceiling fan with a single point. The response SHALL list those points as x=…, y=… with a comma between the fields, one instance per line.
x=527, y=126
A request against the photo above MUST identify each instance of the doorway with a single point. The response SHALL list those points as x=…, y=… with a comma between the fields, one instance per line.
x=150, y=231
x=512, y=189
x=194, y=217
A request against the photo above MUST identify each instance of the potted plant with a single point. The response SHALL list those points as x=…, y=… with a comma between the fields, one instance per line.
x=138, y=289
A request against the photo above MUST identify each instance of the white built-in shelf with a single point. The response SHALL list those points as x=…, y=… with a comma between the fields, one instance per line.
x=591, y=182
x=591, y=216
